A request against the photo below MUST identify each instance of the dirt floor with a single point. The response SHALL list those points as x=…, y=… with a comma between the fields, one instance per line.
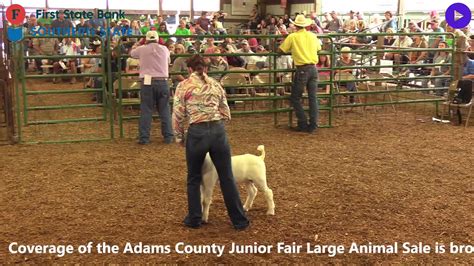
x=379, y=178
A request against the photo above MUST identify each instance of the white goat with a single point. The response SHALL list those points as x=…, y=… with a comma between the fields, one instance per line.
x=249, y=169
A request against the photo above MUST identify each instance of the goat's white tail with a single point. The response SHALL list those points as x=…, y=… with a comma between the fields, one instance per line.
x=261, y=149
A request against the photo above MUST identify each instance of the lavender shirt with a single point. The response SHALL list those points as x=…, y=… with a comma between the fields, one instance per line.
x=154, y=60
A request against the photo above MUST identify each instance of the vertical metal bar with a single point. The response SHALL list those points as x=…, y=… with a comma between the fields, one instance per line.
x=23, y=83
x=331, y=81
x=120, y=101
x=17, y=91
x=275, y=101
x=109, y=97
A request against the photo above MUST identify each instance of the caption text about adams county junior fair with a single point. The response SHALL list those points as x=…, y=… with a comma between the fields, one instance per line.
x=234, y=248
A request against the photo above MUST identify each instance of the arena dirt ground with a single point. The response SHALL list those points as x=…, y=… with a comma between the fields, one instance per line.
x=379, y=177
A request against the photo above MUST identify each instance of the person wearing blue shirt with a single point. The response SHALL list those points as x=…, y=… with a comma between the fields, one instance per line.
x=468, y=69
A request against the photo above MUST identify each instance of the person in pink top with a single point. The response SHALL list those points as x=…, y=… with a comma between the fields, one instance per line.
x=154, y=61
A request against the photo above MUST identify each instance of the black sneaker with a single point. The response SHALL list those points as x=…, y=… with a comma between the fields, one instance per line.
x=143, y=142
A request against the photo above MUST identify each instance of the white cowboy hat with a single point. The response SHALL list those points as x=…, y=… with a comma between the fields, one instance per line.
x=301, y=21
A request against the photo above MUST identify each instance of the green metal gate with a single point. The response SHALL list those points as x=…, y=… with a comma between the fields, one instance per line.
x=46, y=113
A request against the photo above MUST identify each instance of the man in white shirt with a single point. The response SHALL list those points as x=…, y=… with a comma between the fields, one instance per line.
x=402, y=41
x=245, y=50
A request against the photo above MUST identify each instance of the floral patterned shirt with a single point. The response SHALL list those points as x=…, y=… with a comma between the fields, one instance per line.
x=197, y=100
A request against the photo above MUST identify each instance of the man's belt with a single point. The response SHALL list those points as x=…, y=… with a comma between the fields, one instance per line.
x=306, y=65
x=156, y=78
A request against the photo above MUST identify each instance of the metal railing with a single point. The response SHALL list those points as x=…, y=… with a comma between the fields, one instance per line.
x=269, y=100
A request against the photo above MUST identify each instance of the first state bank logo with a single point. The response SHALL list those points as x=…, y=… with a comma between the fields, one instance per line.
x=15, y=15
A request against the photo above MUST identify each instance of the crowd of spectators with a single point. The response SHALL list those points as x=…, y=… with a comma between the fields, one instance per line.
x=214, y=24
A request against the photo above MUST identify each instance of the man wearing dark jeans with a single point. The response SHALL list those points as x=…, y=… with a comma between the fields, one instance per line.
x=304, y=47
x=200, y=100
x=154, y=62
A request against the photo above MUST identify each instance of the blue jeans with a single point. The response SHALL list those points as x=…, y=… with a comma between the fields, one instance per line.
x=306, y=76
x=211, y=137
x=157, y=94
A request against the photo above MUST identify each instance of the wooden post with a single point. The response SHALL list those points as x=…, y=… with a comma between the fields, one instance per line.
x=160, y=7
x=401, y=13
x=191, y=17
x=318, y=7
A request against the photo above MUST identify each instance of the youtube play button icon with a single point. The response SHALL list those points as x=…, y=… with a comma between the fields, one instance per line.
x=458, y=15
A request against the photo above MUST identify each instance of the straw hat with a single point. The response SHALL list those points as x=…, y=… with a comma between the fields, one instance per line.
x=301, y=21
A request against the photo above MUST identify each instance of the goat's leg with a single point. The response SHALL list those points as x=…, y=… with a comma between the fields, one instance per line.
x=261, y=183
x=207, y=188
x=251, y=194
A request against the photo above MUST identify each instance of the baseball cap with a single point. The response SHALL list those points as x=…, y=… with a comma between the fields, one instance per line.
x=244, y=42
x=152, y=35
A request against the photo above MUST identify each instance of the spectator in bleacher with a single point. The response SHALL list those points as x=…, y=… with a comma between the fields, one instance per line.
x=335, y=25
x=260, y=61
x=359, y=16
x=389, y=39
x=135, y=27
x=441, y=57
x=159, y=19
x=286, y=20
x=44, y=46
x=218, y=26
x=403, y=41
x=327, y=19
x=233, y=60
x=229, y=44
x=220, y=15
x=253, y=43
x=181, y=29
x=216, y=63
x=245, y=49
x=145, y=28
x=413, y=27
x=346, y=60
x=281, y=27
x=315, y=18
x=418, y=57
x=171, y=47
x=350, y=23
x=68, y=48
x=92, y=65
x=324, y=62
x=389, y=22
x=262, y=27
x=179, y=65
x=198, y=47
x=375, y=23
x=96, y=22
x=468, y=71
x=62, y=23
x=470, y=48
x=209, y=45
x=154, y=61
x=351, y=27
x=163, y=32
x=44, y=22
x=202, y=24
x=82, y=28
x=434, y=40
